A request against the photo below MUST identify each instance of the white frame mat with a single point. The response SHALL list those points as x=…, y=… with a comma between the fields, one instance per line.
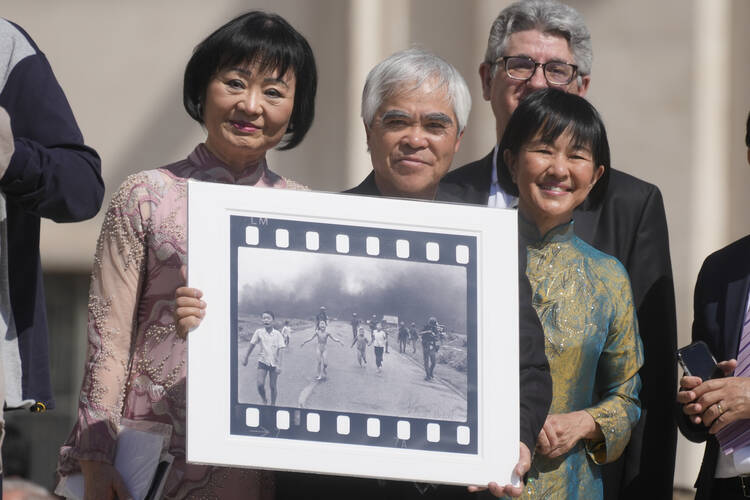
x=228, y=225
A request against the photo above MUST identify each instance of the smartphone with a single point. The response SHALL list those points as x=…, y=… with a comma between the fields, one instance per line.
x=697, y=361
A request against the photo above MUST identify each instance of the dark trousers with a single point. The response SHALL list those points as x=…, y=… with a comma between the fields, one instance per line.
x=730, y=489
x=429, y=361
x=379, y=356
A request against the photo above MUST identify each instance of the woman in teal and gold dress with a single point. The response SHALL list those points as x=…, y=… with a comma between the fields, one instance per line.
x=555, y=146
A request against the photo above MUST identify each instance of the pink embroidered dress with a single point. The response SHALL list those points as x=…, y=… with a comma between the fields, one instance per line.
x=135, y=366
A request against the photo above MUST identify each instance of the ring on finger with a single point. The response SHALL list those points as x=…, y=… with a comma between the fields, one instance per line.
x=721, y=410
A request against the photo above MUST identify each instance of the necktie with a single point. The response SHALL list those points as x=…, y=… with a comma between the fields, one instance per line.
x=737, y=434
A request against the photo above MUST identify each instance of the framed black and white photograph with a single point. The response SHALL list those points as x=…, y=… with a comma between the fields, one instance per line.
x=381, y=334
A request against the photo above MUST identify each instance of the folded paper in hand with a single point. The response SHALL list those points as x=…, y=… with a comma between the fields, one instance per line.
x=141, y=458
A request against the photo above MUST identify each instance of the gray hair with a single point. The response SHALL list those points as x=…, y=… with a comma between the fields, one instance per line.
x=547, y=16
x=408, y=70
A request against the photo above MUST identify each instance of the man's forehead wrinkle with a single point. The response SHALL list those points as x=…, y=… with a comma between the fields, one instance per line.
x=430, y=86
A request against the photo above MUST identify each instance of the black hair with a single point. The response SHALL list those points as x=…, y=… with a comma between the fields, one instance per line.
x=747, y=131
x=269, y=313
x=550, y=113
x=266, y=40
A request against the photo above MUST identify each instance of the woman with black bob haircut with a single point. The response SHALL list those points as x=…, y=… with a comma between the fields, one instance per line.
x=255, y=39
x=556, y=150
x=251, y=84
x=551, y=121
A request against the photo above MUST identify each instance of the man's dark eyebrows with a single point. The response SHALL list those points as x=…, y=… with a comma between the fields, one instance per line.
x=395, y=113
x=439, y=117
x=553, y=59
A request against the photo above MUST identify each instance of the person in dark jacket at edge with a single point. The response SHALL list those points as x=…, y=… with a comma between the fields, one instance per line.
x=45, y=171
x=717, y=411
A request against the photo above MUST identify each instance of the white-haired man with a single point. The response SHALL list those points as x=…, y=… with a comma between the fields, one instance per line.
x=537, y=44
x=415, y=106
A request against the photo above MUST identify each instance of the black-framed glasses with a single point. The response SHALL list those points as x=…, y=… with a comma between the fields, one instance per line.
x=523, y=68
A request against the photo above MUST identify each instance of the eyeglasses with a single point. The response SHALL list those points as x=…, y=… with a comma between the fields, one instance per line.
x=523, y=68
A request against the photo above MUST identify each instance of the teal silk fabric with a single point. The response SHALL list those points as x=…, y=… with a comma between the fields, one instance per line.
x=584, y=301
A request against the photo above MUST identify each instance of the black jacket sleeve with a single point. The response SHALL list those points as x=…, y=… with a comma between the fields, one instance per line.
x=52, y=174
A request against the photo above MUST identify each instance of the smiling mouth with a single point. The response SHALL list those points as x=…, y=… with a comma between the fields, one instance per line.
x=554, y=189
x=410, y=161
x=246, y=127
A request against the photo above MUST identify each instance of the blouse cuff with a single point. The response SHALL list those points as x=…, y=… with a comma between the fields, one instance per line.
x=95, y=441
x=607, y=449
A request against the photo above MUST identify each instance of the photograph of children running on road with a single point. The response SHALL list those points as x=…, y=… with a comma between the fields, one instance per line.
x=322, y=336
x=298, y=285
x=269, y=362
x=361, y=342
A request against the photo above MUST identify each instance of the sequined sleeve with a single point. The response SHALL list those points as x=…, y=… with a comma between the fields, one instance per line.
x=115, y=283
x=618, y=383
x=294, y=185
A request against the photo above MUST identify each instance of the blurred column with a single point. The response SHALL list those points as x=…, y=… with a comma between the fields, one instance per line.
x=377, y=29
x=710, y=168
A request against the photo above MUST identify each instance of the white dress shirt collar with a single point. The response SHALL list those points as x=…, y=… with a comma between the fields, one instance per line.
x=498, y=197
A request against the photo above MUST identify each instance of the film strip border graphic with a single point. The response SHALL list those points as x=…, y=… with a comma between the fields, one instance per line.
x=341, y=426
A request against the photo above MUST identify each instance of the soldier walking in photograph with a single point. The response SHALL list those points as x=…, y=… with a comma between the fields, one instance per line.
x=430, y=346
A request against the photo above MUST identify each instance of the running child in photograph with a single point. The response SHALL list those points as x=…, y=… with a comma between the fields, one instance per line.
x=355, y=325
x=269, y=361
x=379, y=340
x=286, y=332
x=322, y=335
x=361, y=341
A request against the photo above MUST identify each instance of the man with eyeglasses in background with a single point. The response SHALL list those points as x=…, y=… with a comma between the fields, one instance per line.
x=537, y=44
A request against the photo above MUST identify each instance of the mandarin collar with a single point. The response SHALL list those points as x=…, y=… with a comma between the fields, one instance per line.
x=529, y=232
x=213, y=169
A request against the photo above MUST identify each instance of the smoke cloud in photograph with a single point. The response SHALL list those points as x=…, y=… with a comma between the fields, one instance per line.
x=296, y=284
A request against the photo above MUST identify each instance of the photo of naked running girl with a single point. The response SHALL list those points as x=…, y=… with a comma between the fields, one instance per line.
x=354, y=366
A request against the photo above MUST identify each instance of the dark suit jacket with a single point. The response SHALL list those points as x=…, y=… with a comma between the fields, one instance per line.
x=718, y=315
x=536, y=396
x=631, y=225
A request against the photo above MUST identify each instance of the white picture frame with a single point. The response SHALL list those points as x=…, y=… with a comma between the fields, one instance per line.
x=243, y=239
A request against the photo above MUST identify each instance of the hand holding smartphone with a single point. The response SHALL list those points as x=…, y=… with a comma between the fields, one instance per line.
x=697, y=361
